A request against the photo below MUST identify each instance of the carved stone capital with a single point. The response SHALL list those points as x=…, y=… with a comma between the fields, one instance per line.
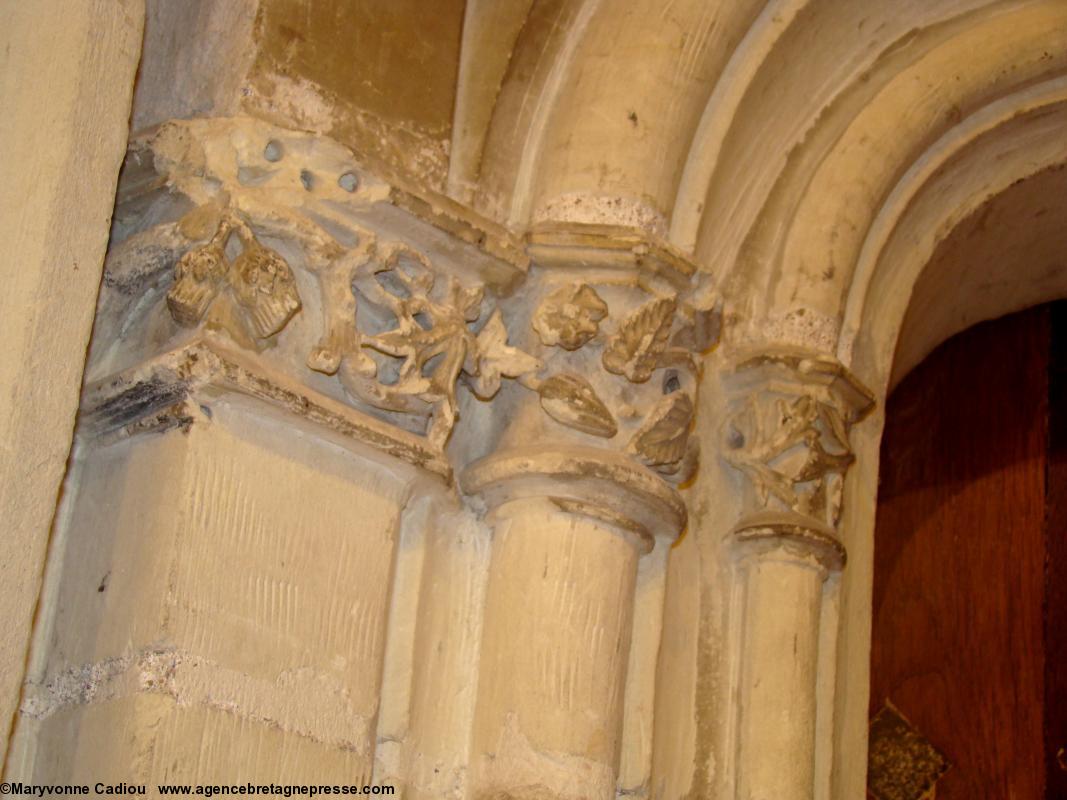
x=618, y=324
x=787, y=434
x=578, y=373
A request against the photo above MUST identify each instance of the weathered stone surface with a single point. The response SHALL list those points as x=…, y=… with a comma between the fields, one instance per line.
x=454, y=192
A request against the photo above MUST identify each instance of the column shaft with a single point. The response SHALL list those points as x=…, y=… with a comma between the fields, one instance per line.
x=554, y=654
x=446, y=652
x=780, y=639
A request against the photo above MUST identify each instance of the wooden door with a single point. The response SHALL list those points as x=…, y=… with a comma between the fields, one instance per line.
x=968, y=630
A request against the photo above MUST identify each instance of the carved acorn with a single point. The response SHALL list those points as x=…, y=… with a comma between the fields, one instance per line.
x=197, y=279
x=264, y=286
x=571, y=400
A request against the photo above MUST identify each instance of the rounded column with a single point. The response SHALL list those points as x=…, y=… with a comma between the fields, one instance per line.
x=787, y=435
x=569, y=526
x=782, y=569
x=578, y=475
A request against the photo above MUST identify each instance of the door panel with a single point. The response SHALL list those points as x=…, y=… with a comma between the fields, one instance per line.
x=1056, y=562
x=959, y=591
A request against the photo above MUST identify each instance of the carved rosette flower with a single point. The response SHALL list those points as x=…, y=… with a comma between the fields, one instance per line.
x=570, y=316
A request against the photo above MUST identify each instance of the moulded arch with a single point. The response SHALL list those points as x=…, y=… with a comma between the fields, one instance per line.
x=1021, y=135
x=1006, y=155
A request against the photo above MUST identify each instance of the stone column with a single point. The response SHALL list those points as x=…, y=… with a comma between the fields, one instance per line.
x=66, y=80
x=558, y=618
x=788, y=436
x=580, y=482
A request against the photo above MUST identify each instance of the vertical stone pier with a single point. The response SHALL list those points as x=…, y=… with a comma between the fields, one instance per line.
x=215, y=608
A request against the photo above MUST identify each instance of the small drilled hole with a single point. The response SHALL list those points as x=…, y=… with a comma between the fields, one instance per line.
x=307, y=179
x=735, y=439
x=671, y=383
x=349, y=181
x=273, y=151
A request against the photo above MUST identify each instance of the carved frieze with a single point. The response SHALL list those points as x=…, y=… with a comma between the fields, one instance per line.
x=234, y=235
x=601, y=355
x=276, y=241
x=648, y=327
x=427, y=339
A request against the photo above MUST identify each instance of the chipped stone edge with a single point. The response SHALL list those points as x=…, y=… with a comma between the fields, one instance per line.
x=810, y=366
x=431, y=208
x=156, y=396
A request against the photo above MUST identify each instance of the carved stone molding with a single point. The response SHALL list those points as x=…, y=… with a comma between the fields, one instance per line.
x=234, y=236
x=787, y=433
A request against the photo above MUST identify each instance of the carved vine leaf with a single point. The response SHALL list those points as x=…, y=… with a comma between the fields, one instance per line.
x=429, y=338
x=662, y=439
x=494, y=357
x=259, y=281
x=571, y=400
x=570, y=316
x=635, y=349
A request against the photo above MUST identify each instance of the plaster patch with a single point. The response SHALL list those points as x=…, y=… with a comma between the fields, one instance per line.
x=304, y=702
x=801, y=327
x=518, y=763
x=430, y=777
x=298, y=100
x=602, y=210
